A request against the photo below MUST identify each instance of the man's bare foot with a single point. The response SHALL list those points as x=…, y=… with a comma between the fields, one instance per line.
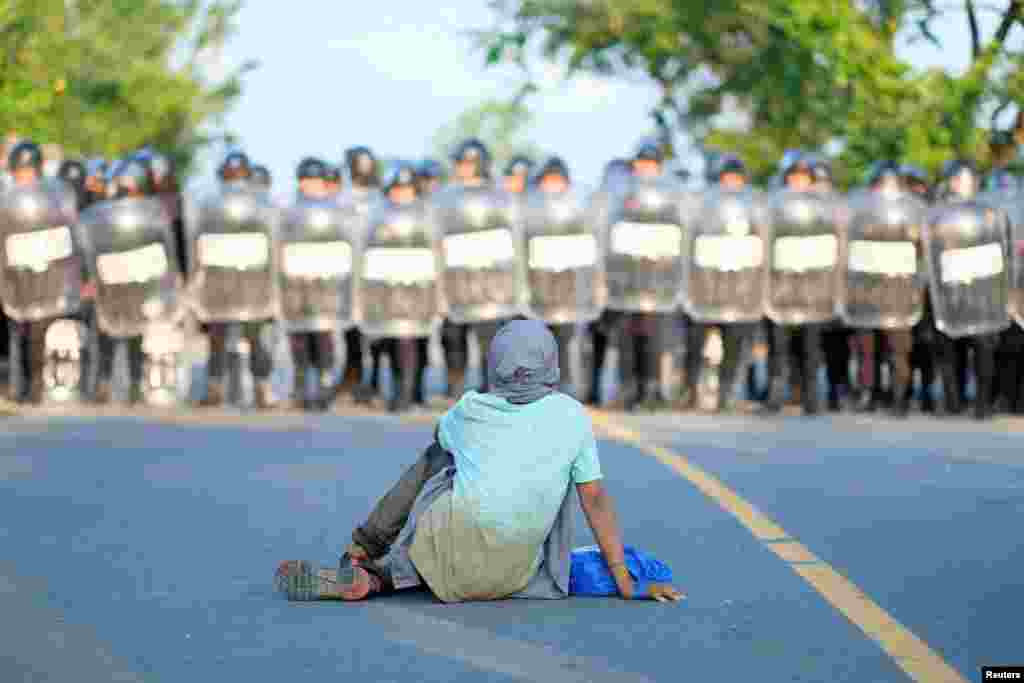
x=302, y=581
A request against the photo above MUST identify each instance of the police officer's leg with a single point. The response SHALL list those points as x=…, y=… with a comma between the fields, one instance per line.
x=217, y=366
x=900, y=343
x=454, y=341
x=403, y=360
x=777, y=367
x=693, y=355
x=323, y=360
x=136, y=363
x=984, y=371
x=107, y=347
x=734, y=337
x=599, y=349
x=16, y=381
x=563, y=337
x=812, y=360
x=422, y=363
x=837, y=363
x=261, y=361
x=36, y=359
x=961, y=351
x=628, y=391
x=946, y=359
x=299, y=343
x=867, y=350
x=352, y=375
x=485, y=333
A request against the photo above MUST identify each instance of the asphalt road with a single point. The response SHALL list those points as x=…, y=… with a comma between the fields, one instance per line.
x=143, y=549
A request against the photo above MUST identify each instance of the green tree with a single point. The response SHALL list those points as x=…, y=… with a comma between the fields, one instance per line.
x=108, y=76
x=502, y=126
x=799, y=73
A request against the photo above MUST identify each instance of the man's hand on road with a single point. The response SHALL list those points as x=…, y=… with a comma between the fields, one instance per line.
x=664, y=592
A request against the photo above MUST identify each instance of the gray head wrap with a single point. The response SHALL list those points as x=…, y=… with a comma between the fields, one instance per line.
x=522, y=363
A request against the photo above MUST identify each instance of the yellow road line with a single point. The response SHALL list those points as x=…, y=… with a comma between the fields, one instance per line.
x=909, y=652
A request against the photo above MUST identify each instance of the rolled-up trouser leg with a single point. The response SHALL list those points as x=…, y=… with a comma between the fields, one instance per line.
x=391, y=512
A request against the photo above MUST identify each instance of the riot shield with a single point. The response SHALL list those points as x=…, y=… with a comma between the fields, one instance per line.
x=725, y=265
x=564, y=269
x=1015, y=214
x=396, y=291
x=644, y=244
x=802, y=253
x=42, y=258
x=315, y=250
x=881, y=265
x=234, y=269
x=133, y=261
x=967, y=245
x=481, y=254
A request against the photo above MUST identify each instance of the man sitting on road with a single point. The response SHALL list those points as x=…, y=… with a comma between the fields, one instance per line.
x=485, y=513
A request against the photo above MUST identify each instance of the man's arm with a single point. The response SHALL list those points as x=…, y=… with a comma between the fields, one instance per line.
x=600, y=512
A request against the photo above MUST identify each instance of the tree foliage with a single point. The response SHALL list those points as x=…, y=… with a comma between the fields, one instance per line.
x=108, y=76
x=800, y=73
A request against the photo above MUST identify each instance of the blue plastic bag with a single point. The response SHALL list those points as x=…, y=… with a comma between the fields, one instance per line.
x=589, y=573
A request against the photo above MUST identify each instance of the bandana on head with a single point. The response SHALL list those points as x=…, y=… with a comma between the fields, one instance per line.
x=523, y=362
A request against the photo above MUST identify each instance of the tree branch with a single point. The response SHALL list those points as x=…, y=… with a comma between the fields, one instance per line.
x=1010, y=17
x=972, y=22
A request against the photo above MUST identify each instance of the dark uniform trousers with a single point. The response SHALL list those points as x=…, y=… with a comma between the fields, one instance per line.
x=260, y=357
x=951, y=351
x=734, y=335
x=898, y=344
x=799, y=348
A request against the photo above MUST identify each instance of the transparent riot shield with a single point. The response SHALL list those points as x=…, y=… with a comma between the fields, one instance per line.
x=882, y=264
x=967, y=249
x=133, y=260
x=803, y=250
x=396, y=293
x=565, y=272
x=42, y=259
x=234, y=270
x=644, y=243
x=725, y=273
x=316, y=254
x=481, y=254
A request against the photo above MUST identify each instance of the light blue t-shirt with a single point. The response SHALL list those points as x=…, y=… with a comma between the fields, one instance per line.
x=514, y=463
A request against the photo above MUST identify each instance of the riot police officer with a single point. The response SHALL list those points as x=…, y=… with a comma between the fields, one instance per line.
x=729, y=173
x=967, y=242
x=399, y=308
x=471, y=188
x=614, y=181
x=27, y=336
x=924, y=348
x=517, y=175
x=235, y=174
x=362, y=193
x=311, y=348
x=807, y=273
x=131, y=180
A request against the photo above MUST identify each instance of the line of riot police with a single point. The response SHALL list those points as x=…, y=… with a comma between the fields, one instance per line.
x=900, y=277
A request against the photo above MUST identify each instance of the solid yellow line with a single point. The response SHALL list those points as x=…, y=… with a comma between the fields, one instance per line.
x=909, y=652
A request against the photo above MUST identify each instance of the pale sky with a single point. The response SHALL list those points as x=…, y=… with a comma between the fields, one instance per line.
x=389, y=74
